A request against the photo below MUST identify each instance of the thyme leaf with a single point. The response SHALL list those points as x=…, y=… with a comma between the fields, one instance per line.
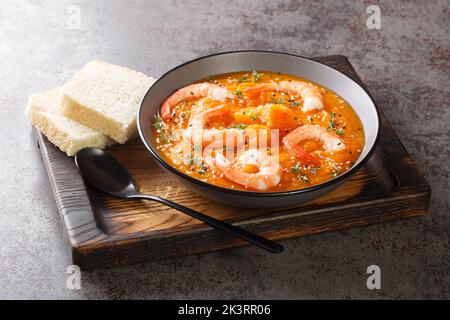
x=340, y=131
x=158, y=123
x=239, y=126
x=243, y=79
x=332, y=124
x=256, y=76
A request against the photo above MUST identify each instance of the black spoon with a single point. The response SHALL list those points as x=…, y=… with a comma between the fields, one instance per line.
x=110, y=176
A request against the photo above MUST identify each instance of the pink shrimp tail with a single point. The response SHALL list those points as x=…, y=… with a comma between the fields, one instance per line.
x=166, y=110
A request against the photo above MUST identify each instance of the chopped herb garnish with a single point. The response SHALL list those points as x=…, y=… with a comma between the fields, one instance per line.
x=238, y=93
x=158, y=123
x=278, y=100
x=167, y=138
x=189, y=160
x=313, y=170
x=340, y=131
x=296, y=168
x=202, y=170
x=164, y=137
x=298, y=171
x=334, y=174
x=303, y=177
x=294, y=104
x=332, y=125
x=243, y=79
x=239, y=126
x=253, y=118
x=256, y=76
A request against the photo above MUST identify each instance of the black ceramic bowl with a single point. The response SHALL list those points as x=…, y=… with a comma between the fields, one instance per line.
x=227, y=62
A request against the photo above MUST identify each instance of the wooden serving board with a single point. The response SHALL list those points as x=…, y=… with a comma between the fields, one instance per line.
x=105, y=232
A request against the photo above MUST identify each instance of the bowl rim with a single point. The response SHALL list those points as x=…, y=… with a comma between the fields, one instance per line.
x=325, y=184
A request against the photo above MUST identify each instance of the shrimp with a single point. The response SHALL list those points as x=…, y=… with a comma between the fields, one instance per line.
x=196, y=127
x=330, y=141
x=268, y=172
x=193, y=91
x=203, y=118
x=312, y=98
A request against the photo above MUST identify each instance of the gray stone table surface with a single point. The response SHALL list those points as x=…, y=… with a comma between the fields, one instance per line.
x=405, y=64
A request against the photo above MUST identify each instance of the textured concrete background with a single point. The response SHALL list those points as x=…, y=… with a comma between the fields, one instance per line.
x=405, y=64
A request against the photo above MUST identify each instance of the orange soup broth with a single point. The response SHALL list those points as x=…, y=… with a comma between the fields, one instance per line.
x=337, y=115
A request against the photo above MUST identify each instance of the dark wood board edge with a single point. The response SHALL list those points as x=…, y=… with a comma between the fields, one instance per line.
x=80, y=210
x=201, y=241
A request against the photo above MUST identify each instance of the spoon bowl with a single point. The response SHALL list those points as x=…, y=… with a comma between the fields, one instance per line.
x=105, y=172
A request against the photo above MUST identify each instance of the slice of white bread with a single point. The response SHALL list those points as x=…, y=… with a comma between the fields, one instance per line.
x=44, y=111
x=106, y=97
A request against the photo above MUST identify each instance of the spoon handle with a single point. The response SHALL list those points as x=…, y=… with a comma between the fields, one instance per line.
x=259, y=241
